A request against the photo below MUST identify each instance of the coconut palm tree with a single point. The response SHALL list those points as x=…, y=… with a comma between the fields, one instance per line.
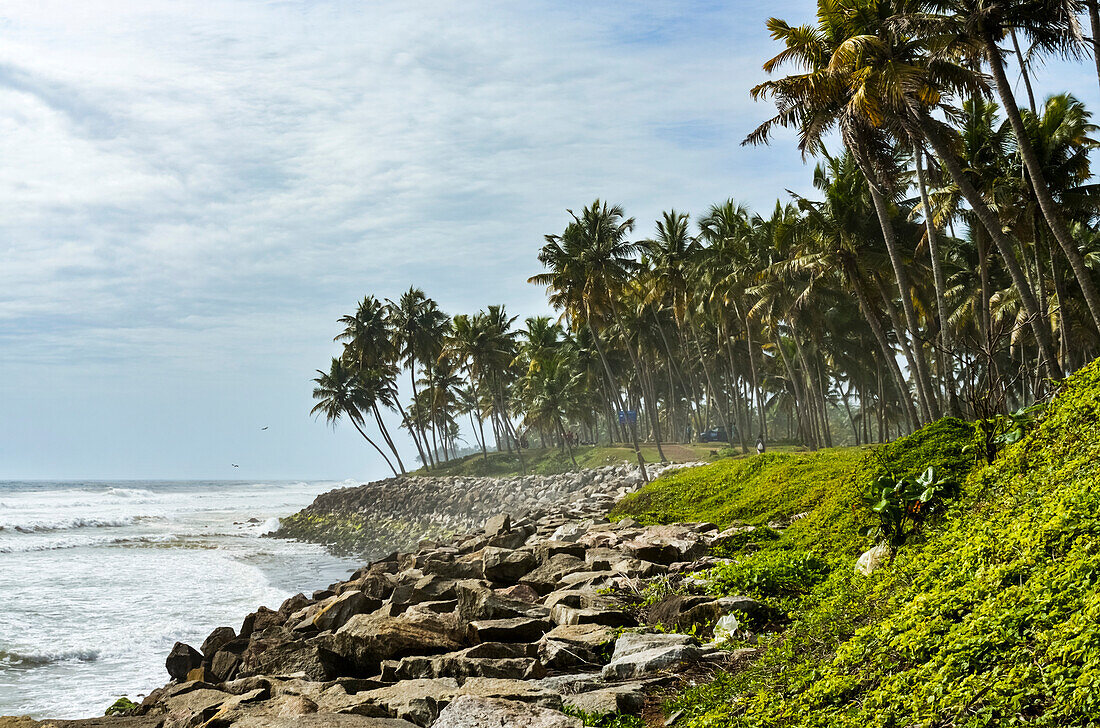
x=339, y=392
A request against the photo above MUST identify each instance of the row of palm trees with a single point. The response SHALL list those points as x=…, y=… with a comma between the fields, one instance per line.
x=946, y=260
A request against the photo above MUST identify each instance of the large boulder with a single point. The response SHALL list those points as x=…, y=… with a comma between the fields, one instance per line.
x=182, y=660
x=335, y=613
x=280, y=655
x=575, y=646
x=519, y=629
x=468, y=711
x=322, y=720
x=640, y=656
x=368, y=639
x=506, y=566
x=217, y=639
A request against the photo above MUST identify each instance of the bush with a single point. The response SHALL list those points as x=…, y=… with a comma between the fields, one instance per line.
x=768, y=574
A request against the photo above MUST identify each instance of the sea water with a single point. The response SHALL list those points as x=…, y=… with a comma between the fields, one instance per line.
x=99, y=579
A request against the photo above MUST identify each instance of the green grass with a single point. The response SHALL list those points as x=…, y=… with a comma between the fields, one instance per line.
x=989, y=617
x=552, y=461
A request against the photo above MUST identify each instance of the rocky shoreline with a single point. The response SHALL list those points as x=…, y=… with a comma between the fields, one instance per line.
x=546, y=613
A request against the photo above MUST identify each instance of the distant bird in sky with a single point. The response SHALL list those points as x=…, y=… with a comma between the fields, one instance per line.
x=235, y=465
x=264, y=427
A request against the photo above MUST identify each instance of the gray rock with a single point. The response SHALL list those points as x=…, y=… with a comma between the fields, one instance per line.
x=505, y=566
x=644, y=664
x=322, y=720
x=217, y=639
x=628, y=698
x=468, y=711
x=520, y=629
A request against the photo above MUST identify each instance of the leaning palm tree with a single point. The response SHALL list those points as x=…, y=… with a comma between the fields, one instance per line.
x=340, y=392
x=973, y=29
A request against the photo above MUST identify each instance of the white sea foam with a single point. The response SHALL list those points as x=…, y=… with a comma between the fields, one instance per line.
x=100, y=579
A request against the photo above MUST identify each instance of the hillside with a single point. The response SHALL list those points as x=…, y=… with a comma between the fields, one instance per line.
x=989, y=616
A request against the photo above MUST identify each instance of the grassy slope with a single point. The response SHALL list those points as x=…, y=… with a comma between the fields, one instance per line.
x=552, y=461
x=991, y=619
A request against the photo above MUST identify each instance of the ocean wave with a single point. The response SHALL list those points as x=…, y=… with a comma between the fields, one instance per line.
x=71, y=524
x=128, y=492
x=11, y=658
x=169, y=540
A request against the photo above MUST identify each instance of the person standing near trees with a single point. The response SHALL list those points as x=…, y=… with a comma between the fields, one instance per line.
x=760, y=448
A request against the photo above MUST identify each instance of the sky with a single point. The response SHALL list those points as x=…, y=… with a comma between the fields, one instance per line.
x=191, y=194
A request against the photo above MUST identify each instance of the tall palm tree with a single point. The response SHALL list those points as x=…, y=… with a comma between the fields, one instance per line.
x=588, y=265
x=974, y=29
x=340, y=392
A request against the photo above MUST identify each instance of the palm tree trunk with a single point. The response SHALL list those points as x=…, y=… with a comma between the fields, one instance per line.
x=372, y=443
x=906, y=350
x=884, y=344
x=799, y=397
x=1004, y=246
x=387, y=438
x=412, y=431
x=901, y=274
x=416, y=409
x=763, y=429
x=561, y=432
x=1094, y=22
x=947, y=368
x=618, y=397
x=1023, y=70
x=720, y=406
x=1039, y=185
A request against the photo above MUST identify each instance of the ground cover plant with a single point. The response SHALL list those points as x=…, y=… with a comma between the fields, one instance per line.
x=989, y=616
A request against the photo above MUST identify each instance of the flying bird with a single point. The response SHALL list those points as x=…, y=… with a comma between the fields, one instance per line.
x=263, y=428
x=235, y=465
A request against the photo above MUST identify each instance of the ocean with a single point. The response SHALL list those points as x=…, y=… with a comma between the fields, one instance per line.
x=98, y=580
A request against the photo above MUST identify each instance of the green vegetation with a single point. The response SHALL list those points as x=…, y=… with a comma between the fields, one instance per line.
x=122, y=707
x=550, y=461
x=988, y=616
x=606, y=720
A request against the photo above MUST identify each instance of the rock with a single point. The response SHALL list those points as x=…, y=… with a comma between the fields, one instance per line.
x=468, y=711
x=632, y=643
x=547, y=578
x=182, y=660
x=224, y=665
x=873, y=559
x=628, y=698
x=526, y=691
x=575, y=646
x=505, y=566
x=337, y=612
x=641, y=659
x=561, y=614
x=282, y=656
x=519, y=629
x=322, y=720
x=263, y=618
x=424, y=589
x=498, y=524
x=679, y=611
x=217, y=639
x=367, y=639
x=416, y=701
x=196, y=705
x=521, y=593
x=549, y=549
x=477, y=601
x=201, y=674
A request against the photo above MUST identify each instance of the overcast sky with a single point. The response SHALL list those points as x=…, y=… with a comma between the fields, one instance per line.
x=191, y=193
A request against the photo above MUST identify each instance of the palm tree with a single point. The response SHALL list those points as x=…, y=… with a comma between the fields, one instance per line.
x=340, y=392
x=367, y=345
x=588, y=265
x=974, y=29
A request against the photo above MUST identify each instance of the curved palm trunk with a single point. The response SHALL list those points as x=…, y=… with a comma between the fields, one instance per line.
x=799, y=396
x=412, y=431
x=883, y=342
x=1004, y=246
x=386, y=436
x=906, y=350
x=759, y=392
x=416, y=408
x=1023, y=70
x=372, y=443
x=561, y=432
x=618, y=399
x=1039, y=184
x=901, y=274
x=947, y=369
x=718, y=405
x=638, y=373
x=509, y=429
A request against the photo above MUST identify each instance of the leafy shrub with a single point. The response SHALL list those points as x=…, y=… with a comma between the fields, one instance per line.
x=773, y=573
x=904, y=504
x=607, y=720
